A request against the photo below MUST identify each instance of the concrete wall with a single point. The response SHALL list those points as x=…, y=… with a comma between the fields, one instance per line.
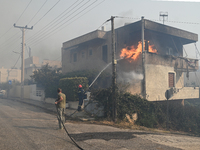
x=30, y=92
x=157, y=81
x=157, y=84
x=16, y=92
x=52, y=63
x=36, y=94
x=9, y=74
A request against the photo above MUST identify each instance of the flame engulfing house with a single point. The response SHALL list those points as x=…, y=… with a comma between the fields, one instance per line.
x=158, y=68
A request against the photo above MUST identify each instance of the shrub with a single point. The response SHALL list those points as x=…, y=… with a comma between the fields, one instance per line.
x=69, y=86
x=149, y=113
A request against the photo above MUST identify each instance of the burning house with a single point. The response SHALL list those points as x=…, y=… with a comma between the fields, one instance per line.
x=150, y=58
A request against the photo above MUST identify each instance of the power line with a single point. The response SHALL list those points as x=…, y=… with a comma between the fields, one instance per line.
x=51, y=33
x=23, y=11
x=13, y=66
x=17, y=20
x=44, y=35
x=8, y=40
x=61, y=21
x=32, y=18
x=158, y=20
x=46, y=13
x=54, y=20
x=196, y=48
x=38, y=11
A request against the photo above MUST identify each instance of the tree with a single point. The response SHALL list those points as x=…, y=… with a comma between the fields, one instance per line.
x=47, y=78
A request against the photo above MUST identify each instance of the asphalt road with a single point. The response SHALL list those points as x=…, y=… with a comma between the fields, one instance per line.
x=25, y=127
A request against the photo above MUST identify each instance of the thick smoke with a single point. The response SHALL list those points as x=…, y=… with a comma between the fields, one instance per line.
x=129, y=77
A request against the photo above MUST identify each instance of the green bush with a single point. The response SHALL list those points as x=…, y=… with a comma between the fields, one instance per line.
x=69, y=86
x=149, y=113
x=103, y=81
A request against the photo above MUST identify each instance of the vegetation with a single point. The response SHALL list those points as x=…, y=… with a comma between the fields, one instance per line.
x=47, y=78
x=70, y=86
x=150, y=114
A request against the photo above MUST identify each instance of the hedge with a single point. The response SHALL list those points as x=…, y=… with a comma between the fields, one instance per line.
x=69, y=86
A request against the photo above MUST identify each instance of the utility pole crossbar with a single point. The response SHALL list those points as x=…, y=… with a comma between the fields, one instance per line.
x=22, y=57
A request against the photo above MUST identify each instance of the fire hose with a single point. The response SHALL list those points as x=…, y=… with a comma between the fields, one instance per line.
x=59, y=118
x=83, y=108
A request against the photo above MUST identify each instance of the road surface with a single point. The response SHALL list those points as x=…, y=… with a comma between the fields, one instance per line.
x=25, y=127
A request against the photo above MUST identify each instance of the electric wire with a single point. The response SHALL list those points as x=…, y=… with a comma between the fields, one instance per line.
x=13, y=66
x=43, y=35
x=37, y=12
x=32, y=18
x=17, y=20
x=46, y=13
x=9, y=40
x=23, y=11
x=183, y=48
x=197, y=48
x=102, y=24
x=158, y=20
x=54, y=20
x=53, y=32
x=71, y=22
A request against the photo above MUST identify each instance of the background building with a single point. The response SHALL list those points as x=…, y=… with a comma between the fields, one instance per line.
x=161, y=69
x=32, y=63
x=10, y=74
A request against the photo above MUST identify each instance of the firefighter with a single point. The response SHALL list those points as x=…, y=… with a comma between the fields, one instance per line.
x=81, y=94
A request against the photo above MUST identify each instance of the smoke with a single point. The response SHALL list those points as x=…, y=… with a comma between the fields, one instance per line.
x=129, y=77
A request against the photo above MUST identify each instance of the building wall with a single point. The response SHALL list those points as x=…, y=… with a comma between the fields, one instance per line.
x=52, y=63
x=3, y=75
x=14, y=74
x=9, y=74
x=85, y=60
x=16, y=92
x=32, y=64
x=157, y=82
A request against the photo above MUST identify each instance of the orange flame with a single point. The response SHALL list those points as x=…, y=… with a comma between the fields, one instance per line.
x=131, y=53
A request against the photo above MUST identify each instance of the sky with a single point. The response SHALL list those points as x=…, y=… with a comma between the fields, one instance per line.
x=57, y=21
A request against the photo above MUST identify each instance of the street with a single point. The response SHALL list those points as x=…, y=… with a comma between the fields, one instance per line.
x=27, y=127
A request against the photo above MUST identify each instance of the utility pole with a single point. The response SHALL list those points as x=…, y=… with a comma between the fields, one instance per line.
x=114, y=62
x=143, y=60
x=22, y=57
x=163, y=15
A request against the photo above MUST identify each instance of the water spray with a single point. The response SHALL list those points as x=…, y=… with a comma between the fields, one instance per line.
x=102, y=71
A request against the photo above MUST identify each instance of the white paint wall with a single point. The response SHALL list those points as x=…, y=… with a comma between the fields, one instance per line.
x=157, y=84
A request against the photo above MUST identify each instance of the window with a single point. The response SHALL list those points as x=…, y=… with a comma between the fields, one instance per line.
x=38, y=93
x=83, y=54
x=75, y=57
x=90, y=52
x=105, y=53
x=171, y=80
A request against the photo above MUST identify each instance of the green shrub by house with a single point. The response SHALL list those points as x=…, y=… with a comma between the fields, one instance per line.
x=150, y=114
x=69, y=86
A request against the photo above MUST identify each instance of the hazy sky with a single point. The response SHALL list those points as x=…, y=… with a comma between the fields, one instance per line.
x=57, y=21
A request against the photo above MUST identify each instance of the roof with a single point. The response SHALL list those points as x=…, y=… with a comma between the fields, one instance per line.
x=97, y=34
x=186, y=37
